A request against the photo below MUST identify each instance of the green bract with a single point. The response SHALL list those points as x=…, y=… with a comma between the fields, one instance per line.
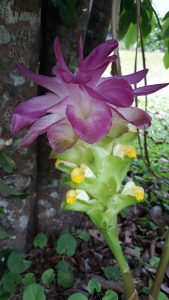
x=106, y=199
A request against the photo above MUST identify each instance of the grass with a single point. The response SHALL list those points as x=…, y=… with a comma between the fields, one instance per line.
x=157, y=74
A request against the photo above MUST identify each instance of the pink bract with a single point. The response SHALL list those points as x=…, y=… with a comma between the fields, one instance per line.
x=80, y=105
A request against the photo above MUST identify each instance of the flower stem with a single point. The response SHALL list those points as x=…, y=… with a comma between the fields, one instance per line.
x=111, y=237
x=163, y=264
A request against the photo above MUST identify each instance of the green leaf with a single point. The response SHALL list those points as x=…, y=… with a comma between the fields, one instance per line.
x=40, y=240
x=65, y=276
x=77, y=296
x=48, y=276
x=165, y=29
x=124, y=23
x=68, y=13
x=34, y=292
x=3, y=234
x=56, y=2
x=10, y=281
x=166, y=16
x=84, y=235
x=93, y=286
x=66, y=244
x=28, y=279
x=112, y=273
x=2, y=212
x=166, y=59
x=16, y=262
x=131, y=36
x=4, y=295
x=7, y=189
x=146, y=290
x=110, y=295
x=154, y=261
x=162, y=296
x=7, y=164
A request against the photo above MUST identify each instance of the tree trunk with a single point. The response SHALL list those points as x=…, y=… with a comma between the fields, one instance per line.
x=19, y=43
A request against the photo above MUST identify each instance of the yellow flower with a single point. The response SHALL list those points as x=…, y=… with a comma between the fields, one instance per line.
x=79, y=174
x=73, y=195
x=136, y=191
x=121, y=151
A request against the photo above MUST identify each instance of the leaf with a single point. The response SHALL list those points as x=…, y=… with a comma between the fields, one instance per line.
x=10, y=281
x=112, y=273
x=34, y=292
x=40, y=240
x=4, y=296
x=28, y=279
x=2, y=212
x=9, y=190
x=110, y=295
x=68, y=13
x=124, y=23
x=3, y=234
x=146, y=290
x=166, y=16
x=77, y=296
x=84, y=235
x=154, y=261
x=65, y=276
x=166, y=59
x=66, y=244
x=131, y=36
x=16, y=262
x=93, y=285
x=165, y=29
x=48, y=276
x=7, y=164
x=162, y=296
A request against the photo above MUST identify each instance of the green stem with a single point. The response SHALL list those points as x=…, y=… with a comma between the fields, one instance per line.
x=163, y=264
x=111, y=237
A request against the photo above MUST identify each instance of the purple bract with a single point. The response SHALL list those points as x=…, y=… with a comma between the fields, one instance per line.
x=81, y=105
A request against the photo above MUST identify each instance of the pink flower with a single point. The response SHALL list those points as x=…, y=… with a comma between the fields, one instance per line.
x=81, y=105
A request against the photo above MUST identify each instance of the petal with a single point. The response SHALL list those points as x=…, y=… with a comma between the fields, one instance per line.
x=135, y=116
x=94, y=73
x=95, y=126
x=61, y=136
x=38, y=128
x=149, y=89
x=117, y=92
x=50, y=83
x=99, y=54
x=29, y=111
x=134, y=77
x=59, y=55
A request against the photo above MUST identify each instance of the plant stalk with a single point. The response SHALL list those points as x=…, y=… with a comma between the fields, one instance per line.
x=163, y=264
x=111, y=237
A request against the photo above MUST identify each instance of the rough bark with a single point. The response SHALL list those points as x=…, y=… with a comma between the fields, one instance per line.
x=98, y=24
x=19, y=42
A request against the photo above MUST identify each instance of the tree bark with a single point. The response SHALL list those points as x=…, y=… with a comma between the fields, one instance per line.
x=19, y=43
x=98, y=24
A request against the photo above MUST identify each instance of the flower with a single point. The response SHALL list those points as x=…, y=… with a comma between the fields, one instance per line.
x=73, y=195
x=80, y=105
x=79, y=174
x=121, y=151
x=136, y=191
